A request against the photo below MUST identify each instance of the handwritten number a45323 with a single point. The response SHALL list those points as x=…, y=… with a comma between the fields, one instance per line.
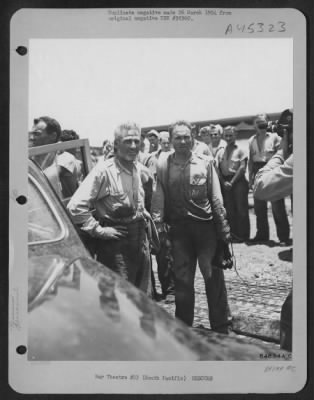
x=258, y=27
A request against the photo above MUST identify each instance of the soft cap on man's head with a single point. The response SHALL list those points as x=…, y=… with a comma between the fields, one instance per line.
x=164, y=134
x=153, y=132
x=230, y=128
x=204, y=129
x=219, y=128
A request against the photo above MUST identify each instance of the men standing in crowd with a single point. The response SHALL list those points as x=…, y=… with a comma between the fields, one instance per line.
x=216, y=143
x=68, y=135
x=113, y=189
x=262, y=146
x=232, y=162
x=204, y=134
x=72, y=166
x=45, y=131
x=188, y=198
x=152, y=160
x=164, y=141
x=144, y=146
x=200, y=147
x=107, y=149
x=153, y=137
x=274, y=182
x=163, y=256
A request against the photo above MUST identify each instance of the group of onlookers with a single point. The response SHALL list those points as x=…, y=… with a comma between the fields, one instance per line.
x=173, y=196
x=237, y=165
x=63, y=169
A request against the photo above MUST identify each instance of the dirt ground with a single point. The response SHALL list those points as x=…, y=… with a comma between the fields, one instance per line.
x=256, y=288
x=265, y=262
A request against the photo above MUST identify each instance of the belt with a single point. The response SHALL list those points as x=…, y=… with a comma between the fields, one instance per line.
x=124, y=221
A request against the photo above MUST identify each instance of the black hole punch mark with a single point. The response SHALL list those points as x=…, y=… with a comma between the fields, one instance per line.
x=21, y=349
x=21, y=200
x=21, y=50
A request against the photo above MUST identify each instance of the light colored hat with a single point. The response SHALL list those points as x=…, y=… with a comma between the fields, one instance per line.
x=204, y=129
x=163, y=134
x=153, y=132
x=219, y=128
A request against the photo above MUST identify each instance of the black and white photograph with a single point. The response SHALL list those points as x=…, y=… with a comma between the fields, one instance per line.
x=156, y=201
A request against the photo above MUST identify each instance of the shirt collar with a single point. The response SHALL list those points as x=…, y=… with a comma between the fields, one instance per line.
x=121, y=168
x=191, y=160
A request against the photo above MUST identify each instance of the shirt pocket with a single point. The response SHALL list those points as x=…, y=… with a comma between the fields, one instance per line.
x=198, y=187
x=120, y=204
x=117, y=195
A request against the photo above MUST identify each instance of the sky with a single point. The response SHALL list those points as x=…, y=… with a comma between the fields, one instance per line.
x=93, y=85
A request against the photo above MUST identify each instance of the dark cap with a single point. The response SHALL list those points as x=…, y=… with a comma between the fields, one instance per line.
x=286, y=118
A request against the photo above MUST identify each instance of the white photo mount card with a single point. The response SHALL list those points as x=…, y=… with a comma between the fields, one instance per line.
x=74, y=326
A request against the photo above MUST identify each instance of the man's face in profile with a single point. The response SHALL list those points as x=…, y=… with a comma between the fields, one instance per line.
x=38, y=136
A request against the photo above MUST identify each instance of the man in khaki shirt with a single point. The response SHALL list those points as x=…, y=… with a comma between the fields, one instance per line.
x=109, y=206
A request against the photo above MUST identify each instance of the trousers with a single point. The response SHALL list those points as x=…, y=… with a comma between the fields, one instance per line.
x=279, y=214
x=129, y=256
x=165, y=267
x=280, y=218
x=237, y=207
x=194, y=241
